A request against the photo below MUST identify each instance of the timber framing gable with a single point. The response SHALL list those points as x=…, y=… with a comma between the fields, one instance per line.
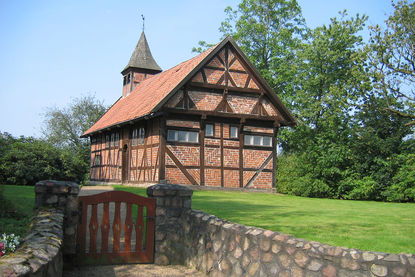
x=218, y=58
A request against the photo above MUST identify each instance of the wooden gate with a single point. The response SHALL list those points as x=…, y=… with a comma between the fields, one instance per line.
x=116, y=227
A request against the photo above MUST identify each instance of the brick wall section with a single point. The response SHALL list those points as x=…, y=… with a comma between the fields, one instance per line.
x=221, y=248
x=231, y=178
x=204, y=100
x=212, y=177
x=242, y=104
x=255, y=158
x=258, y=129
x=183, y=123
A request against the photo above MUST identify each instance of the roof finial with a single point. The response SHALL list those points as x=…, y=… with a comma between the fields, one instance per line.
x=142, y=16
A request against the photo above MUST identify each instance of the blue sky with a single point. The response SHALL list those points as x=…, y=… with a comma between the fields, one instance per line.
x=54, y=51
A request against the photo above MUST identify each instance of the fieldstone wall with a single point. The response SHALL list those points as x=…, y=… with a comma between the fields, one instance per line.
x=40, y=253
x=52, y=233
x=172, y=201
x=64, y=196
x=221, y=248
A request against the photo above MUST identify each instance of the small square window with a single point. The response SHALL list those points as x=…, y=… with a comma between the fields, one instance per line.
x=210, y=131
x=141, y=135
x=134, y=137
x=266, y=141
x=234, y=132
x=97, y=161
x=107, y=140
x=172, y=135
x=117, y=139
x=193, y=137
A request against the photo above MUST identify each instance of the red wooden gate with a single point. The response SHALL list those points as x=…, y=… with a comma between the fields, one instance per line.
x=130, y=219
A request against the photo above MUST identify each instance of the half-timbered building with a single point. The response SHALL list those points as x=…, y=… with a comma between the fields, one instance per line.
x=209, y=121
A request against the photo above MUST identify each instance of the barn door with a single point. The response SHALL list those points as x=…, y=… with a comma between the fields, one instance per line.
x=116, y=227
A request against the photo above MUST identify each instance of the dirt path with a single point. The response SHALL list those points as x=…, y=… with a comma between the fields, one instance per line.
x=132, y=270
x=129, y=269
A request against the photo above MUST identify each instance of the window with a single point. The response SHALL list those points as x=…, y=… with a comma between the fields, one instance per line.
x=93, y=140
x=141, y=135
x=258, y=140
x=234, y=132
x=112, y=139
x=210, y=131
x=117, y=139
x=97, y=160
x=107, y=140
x=134, y=136
x=182, y=136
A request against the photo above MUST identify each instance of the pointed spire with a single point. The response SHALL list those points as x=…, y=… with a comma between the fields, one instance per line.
x=141, y=57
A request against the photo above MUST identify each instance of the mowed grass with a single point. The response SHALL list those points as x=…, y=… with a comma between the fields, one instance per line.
x=366, y=225
x=22, y=199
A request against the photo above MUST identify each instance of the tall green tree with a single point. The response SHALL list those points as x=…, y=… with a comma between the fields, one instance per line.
x=393, y=60
x=269, y=33
x=329, y=85
x=63, y=128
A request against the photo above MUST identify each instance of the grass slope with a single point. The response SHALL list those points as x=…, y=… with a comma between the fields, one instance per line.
x=18, y=218
x=367, y=225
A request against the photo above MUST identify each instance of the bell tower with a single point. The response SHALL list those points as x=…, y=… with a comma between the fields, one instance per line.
x=141, y=66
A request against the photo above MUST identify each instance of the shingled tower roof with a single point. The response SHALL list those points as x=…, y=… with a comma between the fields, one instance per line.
x=141, y=57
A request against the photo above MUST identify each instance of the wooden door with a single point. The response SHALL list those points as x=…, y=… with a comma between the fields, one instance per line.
x=103, y=238
x=125, y=163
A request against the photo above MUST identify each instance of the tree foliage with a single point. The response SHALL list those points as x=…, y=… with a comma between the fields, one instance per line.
x=63, y=128
x=393, y=60
x=61, y=155
x=353, y=100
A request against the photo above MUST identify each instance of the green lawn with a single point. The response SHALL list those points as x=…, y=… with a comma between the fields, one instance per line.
x=367, y=225
x=376, y=226
x=21, y=211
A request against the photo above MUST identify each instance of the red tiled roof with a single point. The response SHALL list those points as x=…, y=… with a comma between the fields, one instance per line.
x=145, y=97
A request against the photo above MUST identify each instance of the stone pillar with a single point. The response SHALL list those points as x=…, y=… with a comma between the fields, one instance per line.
x=172, y=201
x=61, y=195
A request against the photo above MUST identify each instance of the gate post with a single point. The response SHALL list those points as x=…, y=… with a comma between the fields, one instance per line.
x=171, y=202
x=62, y=195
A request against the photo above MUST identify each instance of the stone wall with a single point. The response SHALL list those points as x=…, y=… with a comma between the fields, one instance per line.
x=221, y=248
x=51, y=235
x=171, y=203
x=40, y=253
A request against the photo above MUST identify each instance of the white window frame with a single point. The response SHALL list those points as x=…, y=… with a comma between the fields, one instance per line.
x=206, y=130
x=177, y=135
x=134, y=136
x=236, y=135
x=250, y=140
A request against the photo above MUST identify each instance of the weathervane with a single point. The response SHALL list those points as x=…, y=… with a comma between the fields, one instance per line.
x=142, y=16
